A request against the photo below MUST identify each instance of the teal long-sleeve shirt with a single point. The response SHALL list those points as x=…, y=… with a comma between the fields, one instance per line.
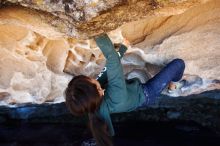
x=102, y=77
x=120, y=95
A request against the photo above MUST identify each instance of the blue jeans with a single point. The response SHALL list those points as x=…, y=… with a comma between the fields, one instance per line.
x=153, y=87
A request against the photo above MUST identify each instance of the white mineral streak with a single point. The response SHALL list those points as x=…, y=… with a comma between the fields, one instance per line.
x=34, y=57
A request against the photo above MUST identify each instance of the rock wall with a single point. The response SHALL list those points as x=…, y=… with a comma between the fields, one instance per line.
x=38, y=56
x=87, y=18
x=192, y=36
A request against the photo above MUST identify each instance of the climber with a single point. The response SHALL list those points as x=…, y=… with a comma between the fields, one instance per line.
x=85, y=95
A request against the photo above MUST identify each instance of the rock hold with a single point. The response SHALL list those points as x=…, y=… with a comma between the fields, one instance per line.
x=39, y=53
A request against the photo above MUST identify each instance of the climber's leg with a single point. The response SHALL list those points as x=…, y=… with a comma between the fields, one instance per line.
x=171, y=72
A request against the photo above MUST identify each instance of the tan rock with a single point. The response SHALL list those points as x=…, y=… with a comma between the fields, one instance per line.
x=34, y=54
x=56, y=52
x=14, y=32
x=191, y=36
x=29, y=19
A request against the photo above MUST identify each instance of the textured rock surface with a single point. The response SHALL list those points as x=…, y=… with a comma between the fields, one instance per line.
x=35, y=55
x=86, y=18
x=44, y=42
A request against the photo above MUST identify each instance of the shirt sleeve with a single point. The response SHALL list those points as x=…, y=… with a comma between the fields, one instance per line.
x=102, y=77
x=116, y=83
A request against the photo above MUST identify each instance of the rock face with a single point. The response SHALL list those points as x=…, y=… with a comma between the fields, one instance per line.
x=88, y=18
x=38, y=54
x=43, y=43
x=83, y=18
